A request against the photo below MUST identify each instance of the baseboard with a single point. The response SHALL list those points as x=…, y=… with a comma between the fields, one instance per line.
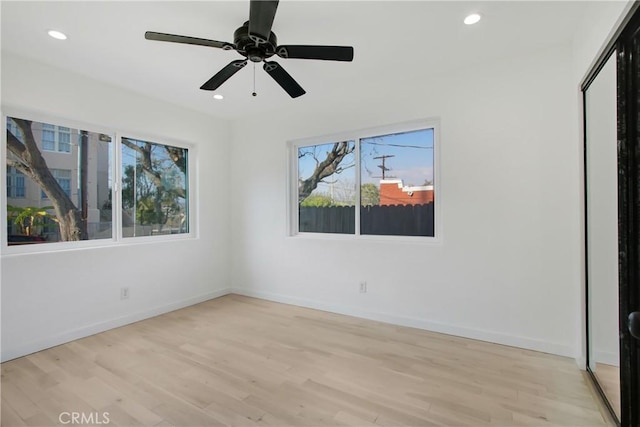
x=606, y=357
x=493, y=337
x=85, y=331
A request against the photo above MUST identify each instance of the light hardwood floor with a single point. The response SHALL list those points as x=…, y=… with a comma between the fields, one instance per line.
x=609, y=379
x=245, y=362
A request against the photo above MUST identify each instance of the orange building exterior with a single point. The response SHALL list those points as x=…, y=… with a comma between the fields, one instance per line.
x=393, y=192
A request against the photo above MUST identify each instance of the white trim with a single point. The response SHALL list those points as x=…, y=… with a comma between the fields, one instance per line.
x=291, y=198
x=116, y=189
x=406, y=188
x=85, y=331
x=358, y=165
x=22, y=250
x=413, y=322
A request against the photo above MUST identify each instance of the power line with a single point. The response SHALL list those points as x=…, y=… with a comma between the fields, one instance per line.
x=399, y=145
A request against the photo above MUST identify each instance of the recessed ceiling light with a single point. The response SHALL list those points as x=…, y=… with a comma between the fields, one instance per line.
x=218, y=96
x=57, y=35
x=474, y=18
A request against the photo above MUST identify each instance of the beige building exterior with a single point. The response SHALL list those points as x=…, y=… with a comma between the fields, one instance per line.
x=60, y=147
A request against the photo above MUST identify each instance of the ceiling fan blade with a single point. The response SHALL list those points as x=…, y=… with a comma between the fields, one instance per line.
x=283, y=78
x=261, y=14
x=327, y=53
x=223, y=75
x=162, y=37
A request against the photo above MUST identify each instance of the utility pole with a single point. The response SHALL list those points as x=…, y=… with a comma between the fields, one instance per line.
x=84, y=177
x=383, y=166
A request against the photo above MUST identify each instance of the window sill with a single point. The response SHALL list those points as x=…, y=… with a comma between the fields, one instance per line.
x=415, y=240
x=55, y=247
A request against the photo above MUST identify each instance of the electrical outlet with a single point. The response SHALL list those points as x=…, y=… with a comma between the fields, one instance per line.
x=124, y=293
x=363, y=287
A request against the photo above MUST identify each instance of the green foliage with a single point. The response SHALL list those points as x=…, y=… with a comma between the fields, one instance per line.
x=369, y=194
x=151, y=202
x=318, y=201
x=30, y=218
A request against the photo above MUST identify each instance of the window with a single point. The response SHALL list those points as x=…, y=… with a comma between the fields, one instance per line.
x=68, y=198
x=15, y=184
x=389, y=174
x=56, y=138
x=155, y=195
x=12, y=127
x=53, y=198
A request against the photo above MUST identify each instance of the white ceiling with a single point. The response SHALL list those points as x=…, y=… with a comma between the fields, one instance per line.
x=395, y=43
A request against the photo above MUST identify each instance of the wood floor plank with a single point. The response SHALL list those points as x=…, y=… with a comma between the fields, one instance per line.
x=9, y=415
x=239, y=361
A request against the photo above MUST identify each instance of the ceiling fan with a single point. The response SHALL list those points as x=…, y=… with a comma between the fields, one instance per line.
x=256, y=42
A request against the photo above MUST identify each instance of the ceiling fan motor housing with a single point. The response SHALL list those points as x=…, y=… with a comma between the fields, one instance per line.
x=256, y=42
x=247, y=46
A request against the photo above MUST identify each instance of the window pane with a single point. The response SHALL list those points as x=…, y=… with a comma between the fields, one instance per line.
x=327, y=188
x=74, y=200
x=19, y=189
x=13, y=129
x=48, y=140
x=397, y=193
x=9, y=186
x=64, y=140
x=61, y=173
x=155, y=196
x=15, y=183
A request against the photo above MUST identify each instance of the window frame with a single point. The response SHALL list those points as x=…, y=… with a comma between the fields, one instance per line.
x=115, y=169
x=292, y=146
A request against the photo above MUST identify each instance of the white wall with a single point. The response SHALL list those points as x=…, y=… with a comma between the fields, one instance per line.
x=598, y=23
x=50, y=298
x=508, y=268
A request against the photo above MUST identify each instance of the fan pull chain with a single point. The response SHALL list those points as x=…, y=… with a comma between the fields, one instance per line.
x=254, y=80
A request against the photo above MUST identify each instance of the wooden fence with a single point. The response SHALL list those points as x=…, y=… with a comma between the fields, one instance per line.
x=398, y=220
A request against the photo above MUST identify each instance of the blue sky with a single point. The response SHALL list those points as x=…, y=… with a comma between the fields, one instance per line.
x=412, y=162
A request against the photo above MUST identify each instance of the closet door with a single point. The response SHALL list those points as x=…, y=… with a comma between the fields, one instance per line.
x=602, y=240
x=628, y=64
x=611, y=94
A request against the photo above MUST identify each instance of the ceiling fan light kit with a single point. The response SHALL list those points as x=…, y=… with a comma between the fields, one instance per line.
x=256, y=42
